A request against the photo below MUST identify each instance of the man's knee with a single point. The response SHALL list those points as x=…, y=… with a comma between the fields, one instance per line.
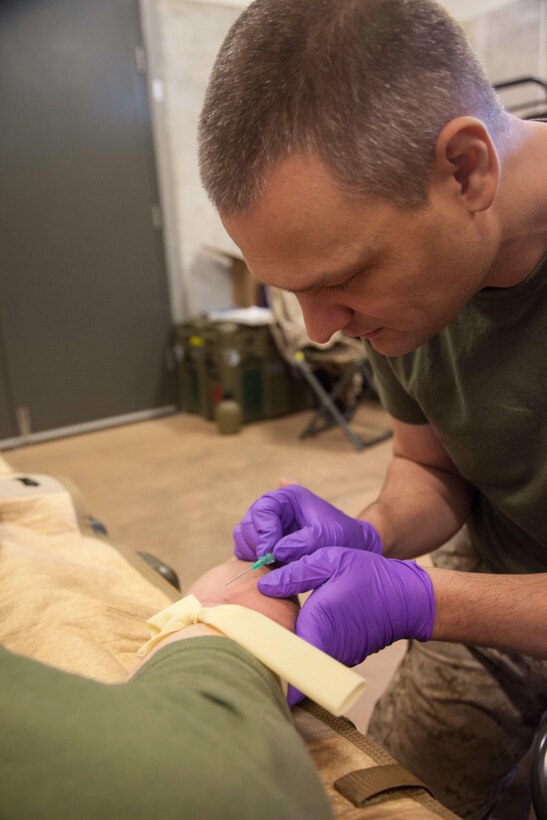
x=449, y=720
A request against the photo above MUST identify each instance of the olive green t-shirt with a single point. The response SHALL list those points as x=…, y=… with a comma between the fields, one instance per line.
x=482, y=385
x=201, y=731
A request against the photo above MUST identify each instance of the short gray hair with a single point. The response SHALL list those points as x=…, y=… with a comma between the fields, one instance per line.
x=365, y=84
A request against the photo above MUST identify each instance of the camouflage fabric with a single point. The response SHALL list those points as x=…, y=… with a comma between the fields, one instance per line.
x=461, y=717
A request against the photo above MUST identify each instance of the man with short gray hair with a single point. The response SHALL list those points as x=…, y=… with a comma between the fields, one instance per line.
x=359, y=158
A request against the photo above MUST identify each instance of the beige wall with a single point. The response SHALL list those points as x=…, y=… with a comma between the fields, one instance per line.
x=182, y=39
x=512, y=41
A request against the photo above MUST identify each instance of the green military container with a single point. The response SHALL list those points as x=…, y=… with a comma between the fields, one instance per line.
x=192, y=341
x=215, y=358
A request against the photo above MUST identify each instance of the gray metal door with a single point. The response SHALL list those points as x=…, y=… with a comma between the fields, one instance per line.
x=8, y=428
x=84, y=307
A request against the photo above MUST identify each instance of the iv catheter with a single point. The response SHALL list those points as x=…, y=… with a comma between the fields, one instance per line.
x=267, y=558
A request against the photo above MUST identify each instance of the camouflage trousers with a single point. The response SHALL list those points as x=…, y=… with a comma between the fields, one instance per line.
x=461, y=717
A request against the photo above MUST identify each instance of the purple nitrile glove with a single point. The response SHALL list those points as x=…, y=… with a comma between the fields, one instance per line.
x=292, y=522
x=361, y=602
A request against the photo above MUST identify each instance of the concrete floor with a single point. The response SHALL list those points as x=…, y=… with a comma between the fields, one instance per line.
x=175, y=487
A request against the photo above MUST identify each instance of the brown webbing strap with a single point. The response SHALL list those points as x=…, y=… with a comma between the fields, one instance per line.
x=345, y=728
x=361, y=785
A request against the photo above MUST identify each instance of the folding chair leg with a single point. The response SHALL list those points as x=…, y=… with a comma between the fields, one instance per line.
x=329, y=405
x=330, y=408
x=323, y=418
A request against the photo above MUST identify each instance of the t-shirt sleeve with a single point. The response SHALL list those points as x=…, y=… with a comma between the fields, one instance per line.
x=395, y=399
x=202, y=730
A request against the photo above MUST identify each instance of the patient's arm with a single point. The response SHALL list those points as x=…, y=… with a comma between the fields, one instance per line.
x=201, y=730
x=211, y=590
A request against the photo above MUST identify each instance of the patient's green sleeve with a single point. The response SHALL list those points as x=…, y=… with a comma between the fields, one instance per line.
x=201, y=731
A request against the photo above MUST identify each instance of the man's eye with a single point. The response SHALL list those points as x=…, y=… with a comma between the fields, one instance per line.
x=341, y=285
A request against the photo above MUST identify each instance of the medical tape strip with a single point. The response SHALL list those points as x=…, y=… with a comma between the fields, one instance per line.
x=322, y=678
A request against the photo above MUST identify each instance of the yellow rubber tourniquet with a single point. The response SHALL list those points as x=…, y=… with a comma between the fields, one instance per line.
x=316, y=674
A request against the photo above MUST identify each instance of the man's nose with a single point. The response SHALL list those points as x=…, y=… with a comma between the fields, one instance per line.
x=322, y=320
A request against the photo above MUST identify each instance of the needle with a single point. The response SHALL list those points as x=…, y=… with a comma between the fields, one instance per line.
x=267, y=558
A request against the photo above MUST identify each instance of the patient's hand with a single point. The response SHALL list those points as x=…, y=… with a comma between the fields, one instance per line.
x=211, y=590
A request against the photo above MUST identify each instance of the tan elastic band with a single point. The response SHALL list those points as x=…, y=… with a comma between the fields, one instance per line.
x=316, y=674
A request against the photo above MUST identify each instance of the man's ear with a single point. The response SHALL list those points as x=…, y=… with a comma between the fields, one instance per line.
x=467, y=161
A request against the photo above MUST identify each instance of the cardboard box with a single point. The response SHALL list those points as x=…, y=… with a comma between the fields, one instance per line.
x=246, y=291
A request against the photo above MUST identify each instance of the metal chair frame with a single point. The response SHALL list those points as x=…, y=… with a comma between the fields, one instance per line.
x=328, y=413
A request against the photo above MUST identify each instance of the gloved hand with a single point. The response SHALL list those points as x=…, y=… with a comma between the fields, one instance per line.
x=361, y=602
x=292, y=522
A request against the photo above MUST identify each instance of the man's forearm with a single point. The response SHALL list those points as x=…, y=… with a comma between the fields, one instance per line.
x=418, y=509
x=507, y=612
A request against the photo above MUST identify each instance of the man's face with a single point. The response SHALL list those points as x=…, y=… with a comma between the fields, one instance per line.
x=366, y=267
